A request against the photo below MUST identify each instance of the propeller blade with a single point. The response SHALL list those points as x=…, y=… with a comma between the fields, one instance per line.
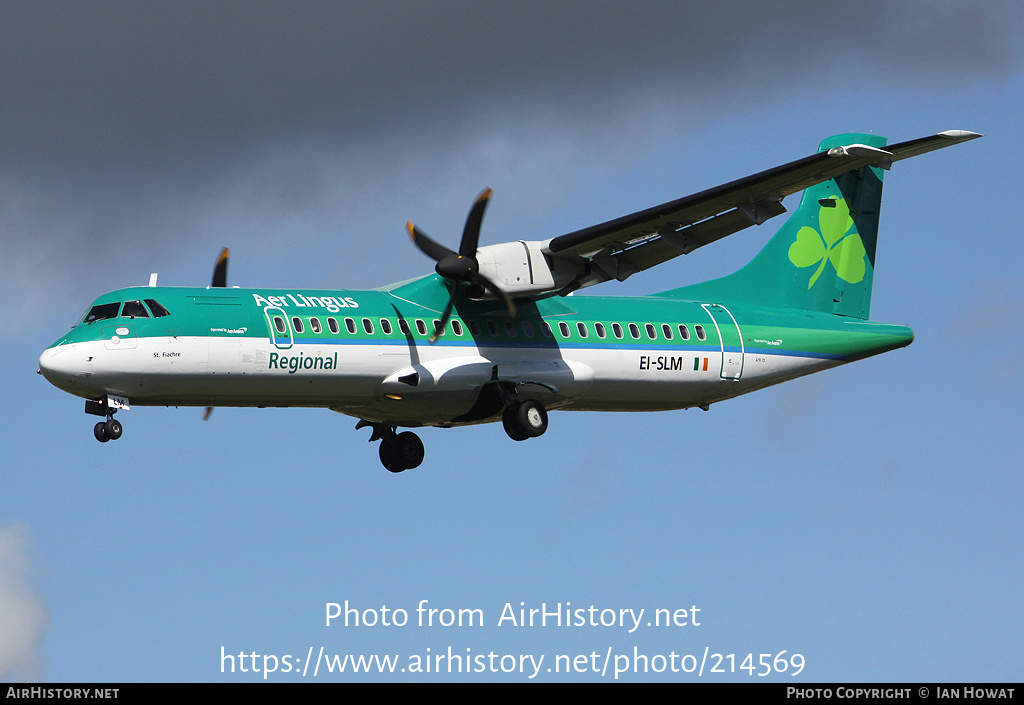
x=220, y=271
x=461, y=266
x=486, y=283
x=434, y=250
x=471, y=233
x=220, y=278
x=439, y=331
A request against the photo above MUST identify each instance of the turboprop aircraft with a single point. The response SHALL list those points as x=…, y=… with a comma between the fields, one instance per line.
x=493, y=335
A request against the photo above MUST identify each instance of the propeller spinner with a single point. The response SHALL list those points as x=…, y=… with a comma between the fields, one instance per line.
x=462, y=266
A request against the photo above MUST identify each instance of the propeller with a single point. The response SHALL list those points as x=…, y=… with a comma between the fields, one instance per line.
x=462, y=266
x=220, y=278
x=220, y=270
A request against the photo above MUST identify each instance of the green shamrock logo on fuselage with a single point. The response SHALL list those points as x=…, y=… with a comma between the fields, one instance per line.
x=837, y=241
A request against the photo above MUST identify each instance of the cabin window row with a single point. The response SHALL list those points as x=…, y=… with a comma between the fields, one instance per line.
x=652, y=331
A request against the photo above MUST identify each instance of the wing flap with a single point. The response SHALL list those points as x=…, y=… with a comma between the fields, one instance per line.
x=644, y=253
x=749, y=200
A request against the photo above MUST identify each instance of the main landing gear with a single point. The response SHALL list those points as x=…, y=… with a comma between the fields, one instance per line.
x=398, y=451
x=404, y=451
x=525, y=420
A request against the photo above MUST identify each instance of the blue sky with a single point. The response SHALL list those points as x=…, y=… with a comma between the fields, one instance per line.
x=866, y=518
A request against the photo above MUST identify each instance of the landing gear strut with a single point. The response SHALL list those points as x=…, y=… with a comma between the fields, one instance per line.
x=398, y=451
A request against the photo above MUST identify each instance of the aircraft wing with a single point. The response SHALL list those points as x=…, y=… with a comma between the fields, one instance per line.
x=623, y=246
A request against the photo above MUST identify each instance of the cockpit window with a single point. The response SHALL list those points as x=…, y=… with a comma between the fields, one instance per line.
x=102, y=312
x=134, y=309
x=157, y=309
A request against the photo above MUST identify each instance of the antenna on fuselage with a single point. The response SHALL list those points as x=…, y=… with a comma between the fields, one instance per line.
x=152, y=279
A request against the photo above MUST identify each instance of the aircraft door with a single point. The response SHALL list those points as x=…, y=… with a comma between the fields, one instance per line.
x=279, y=327
x=731, y=340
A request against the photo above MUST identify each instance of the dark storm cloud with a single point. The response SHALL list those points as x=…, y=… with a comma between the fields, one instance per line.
x=119, y=85
x=129, y=121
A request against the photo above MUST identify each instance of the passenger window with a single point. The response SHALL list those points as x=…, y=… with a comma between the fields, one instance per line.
x=492, y=328
x=280, y=325
x=297, y=324
x=158, y=310
x=684, y=332
x=333, y=325
x=617, y=330
x=350, y=326
x=545, y=329
x=599, y=329
x=456, y=327
x=563, y=328
x=134, y=309
x=368, y=326
x=527, y=329
x=699, y=330
x=403, y=325
x=102, y=312
x=474, y=328
x=385, y=325
x=510, y=328
x=652, y=332
x=634, y=331
x=421, y=327
x=438, y=330
x=667, y=330
x=314, y=323
x=582, y=328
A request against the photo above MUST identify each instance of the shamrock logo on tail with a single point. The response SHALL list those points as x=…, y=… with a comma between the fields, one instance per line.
x=836, y=241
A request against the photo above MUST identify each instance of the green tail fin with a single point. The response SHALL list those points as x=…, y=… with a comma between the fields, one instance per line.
x=823, y=257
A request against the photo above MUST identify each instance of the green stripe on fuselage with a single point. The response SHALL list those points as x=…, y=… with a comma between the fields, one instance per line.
x=235, y=313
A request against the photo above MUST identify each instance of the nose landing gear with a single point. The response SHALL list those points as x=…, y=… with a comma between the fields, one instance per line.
x=109, y=430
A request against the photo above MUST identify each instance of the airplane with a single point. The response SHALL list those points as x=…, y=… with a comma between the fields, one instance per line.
x=494, y=333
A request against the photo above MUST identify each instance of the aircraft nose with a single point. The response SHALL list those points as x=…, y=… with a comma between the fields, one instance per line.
x=70, y=367
x=60, y=364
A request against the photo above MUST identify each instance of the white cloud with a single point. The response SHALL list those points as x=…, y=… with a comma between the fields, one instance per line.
x=23, y=618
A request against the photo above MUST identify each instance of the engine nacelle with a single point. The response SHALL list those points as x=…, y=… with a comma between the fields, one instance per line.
x=522, y=268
